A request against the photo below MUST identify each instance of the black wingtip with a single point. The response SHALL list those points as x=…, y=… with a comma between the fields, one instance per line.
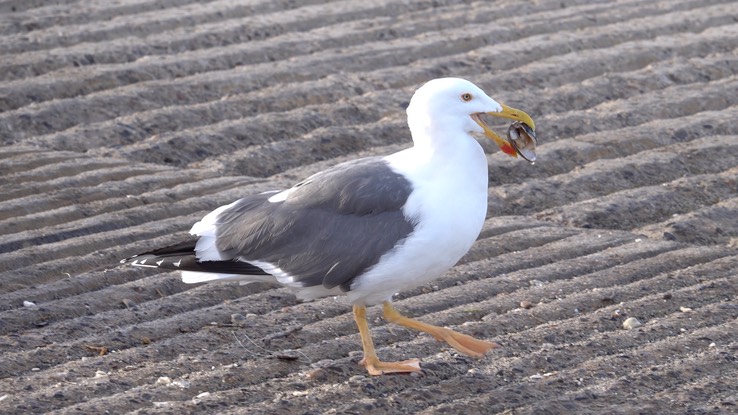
x=178, y=249
x=182, y=257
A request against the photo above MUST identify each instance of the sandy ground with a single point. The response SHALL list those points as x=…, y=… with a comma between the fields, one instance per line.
x=122, y=123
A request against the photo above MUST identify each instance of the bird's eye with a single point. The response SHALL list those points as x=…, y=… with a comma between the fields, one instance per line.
x=466, y=97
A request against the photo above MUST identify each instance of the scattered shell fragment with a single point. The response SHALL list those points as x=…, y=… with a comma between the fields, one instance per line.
x=28, y=304
x=685, y=309
x=197, y=399
x=631, y=323
x=183, y=384
x=163, y=380
x=129, y=303
x=526, y=304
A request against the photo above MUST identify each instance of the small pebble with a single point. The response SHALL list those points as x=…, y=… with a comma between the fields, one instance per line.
x=631, y=323
x=356, y=379
x=28, y=304
x=287, y=354
x=685, y=309
x=238, y=319
x=526, y=304
x=535, y=283
x=712, y=345
x=183, y=384
x=129, y=303
x=59, y=376
x=100, y=374
x=536, y=376
x=324, y=363
x=197, y=399
x=318, y=374
x=164, y=380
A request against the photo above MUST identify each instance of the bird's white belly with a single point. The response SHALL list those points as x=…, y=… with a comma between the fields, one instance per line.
x=450, y=214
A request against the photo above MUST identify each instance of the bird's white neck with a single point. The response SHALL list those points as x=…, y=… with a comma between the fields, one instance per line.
x=441, y=135
x=444, y=158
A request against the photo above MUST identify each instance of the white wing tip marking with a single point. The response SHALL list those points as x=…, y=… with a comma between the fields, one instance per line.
x=142, y=263
x=281, y=196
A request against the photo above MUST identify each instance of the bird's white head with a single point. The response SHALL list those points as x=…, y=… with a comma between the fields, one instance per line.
x=454, y=104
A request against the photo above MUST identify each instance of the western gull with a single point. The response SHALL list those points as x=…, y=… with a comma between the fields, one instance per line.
x=367, y=228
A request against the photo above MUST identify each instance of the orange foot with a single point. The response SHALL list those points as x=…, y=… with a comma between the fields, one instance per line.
x=376, y=367
x=463, y=343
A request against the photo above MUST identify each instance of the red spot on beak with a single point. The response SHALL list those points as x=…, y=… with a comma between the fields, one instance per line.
x=508, y=149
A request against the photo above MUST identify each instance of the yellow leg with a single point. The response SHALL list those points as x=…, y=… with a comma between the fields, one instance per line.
x=461, y=342
x=372, y=363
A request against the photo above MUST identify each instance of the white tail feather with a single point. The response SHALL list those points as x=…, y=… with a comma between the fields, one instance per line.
x=194, y=277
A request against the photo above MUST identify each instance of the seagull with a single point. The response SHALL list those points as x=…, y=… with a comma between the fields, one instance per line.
x=367, y=228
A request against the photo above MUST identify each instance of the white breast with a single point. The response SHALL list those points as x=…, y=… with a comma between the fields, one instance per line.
x=449, y=201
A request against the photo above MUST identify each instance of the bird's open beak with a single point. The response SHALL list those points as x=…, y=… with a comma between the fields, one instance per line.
x=524, y=141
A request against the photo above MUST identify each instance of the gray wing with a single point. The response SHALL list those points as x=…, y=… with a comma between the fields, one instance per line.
x=330, y=229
